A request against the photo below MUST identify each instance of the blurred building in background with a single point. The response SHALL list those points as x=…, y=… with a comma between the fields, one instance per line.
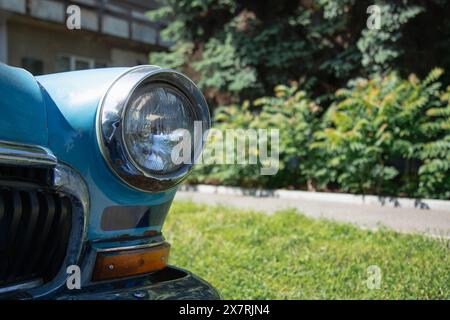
x=34, y=35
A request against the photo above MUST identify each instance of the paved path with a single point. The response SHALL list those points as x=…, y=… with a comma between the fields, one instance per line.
x=408, y=220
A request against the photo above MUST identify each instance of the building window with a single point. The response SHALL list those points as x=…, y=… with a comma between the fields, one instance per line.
x=63, y=64
x=100, y=64
x=72, y=63
x=34, y=66
x=82, y=64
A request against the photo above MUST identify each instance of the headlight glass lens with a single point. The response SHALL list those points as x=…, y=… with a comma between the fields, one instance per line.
x=154, y=113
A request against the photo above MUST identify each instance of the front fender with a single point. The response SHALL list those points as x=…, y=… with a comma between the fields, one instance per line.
x=22, y=109
x=72, y=100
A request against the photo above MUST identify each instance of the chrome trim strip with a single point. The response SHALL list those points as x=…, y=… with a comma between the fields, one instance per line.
x=132, y=247
x=22, y=154
x=21, y=286
x=109, y=128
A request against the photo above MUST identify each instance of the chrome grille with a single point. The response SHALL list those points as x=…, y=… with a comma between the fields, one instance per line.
x=43, y=220
x=34, y=231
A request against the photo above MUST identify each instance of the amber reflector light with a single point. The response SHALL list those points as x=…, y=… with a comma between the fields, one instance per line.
x=120, y=264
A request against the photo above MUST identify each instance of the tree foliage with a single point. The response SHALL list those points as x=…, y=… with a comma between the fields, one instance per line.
x=242, y=49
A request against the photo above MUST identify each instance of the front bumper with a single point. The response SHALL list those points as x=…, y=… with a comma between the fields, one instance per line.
x=170, y=283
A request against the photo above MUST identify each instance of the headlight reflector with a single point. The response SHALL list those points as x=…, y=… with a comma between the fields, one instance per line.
x=154, y=116
x=139, y=122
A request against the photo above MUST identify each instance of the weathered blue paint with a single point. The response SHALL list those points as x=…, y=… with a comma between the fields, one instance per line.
x=22, y=108
x=72, y=100
x=58, y=111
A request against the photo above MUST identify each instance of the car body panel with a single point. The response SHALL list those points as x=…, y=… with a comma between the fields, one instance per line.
x=22, y=108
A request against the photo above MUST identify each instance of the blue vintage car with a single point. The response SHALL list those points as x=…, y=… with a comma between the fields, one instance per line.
x=86, y=182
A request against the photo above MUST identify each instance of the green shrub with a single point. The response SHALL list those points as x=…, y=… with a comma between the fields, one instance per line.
x=434, y=174
x=290, y=111
x=384, y=136
x=380, y=132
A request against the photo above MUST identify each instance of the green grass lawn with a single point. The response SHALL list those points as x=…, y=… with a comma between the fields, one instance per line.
x=250, y=255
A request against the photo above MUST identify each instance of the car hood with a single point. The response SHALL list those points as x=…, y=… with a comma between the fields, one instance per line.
x=23, y=116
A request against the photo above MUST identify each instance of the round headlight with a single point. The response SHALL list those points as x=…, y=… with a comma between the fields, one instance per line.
x=154, y=116
x=142, y=118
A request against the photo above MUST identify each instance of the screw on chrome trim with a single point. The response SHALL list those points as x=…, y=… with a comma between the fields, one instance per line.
x=139, y=295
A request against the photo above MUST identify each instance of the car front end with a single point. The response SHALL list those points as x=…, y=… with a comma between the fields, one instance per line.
x=87, y=178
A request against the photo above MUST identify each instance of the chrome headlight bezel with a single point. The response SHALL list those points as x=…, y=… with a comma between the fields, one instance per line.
x=111, y=115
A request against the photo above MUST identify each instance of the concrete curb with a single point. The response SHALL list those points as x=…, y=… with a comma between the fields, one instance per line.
x=393, y=202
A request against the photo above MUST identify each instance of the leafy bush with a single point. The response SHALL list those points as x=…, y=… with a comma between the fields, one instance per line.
x=380, y=132
x=294, y=115
x=385, y=136
x=434, y=174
